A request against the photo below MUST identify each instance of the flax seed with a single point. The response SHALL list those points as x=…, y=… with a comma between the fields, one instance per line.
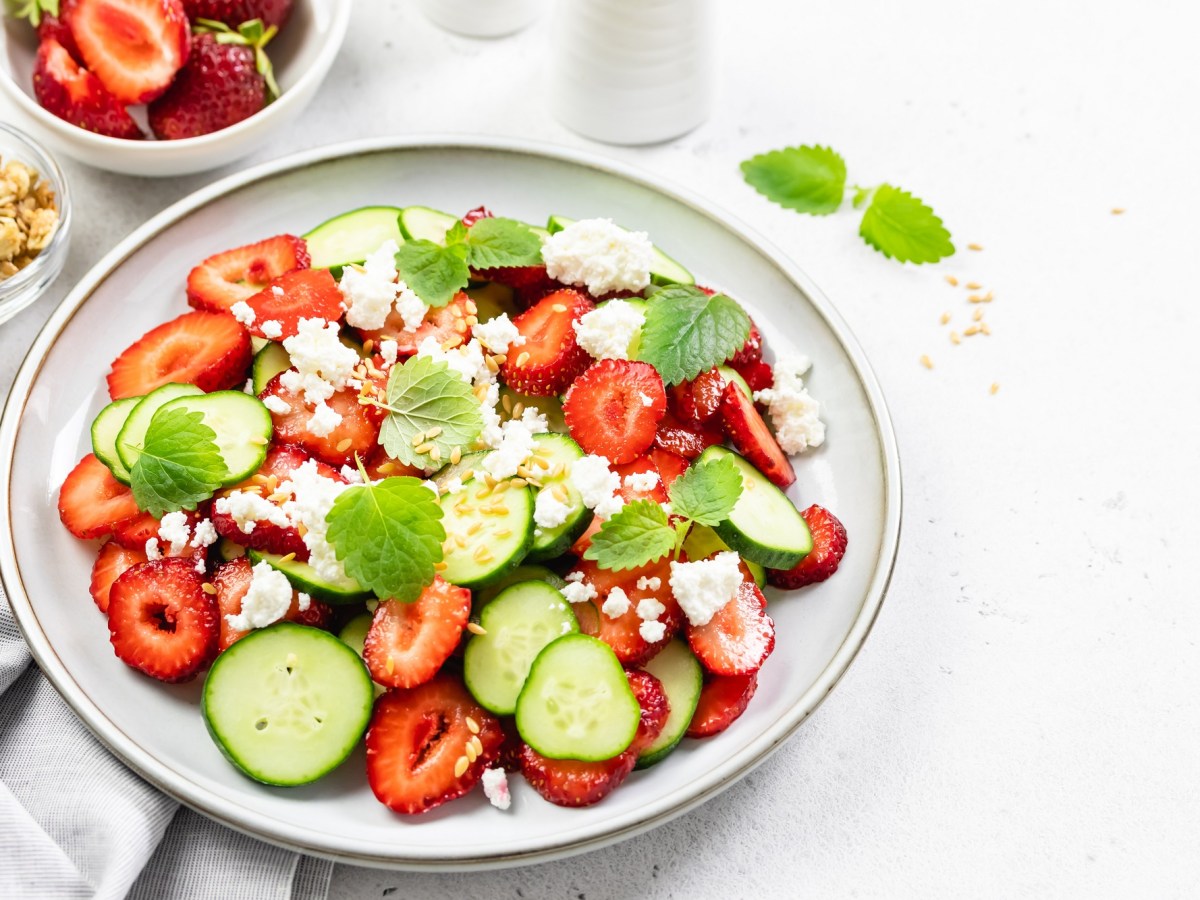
x=945, y=318
x=472, y=725
x=974, y=246
x=368, y=345
x=952, y=281
x=973, y=285
x=474, y=529
x=522, y=358
x=978, y=315
x=475, y=628
x=972, y=330
x=456, y=455
x=461, y=766
x=208, y=588
x=425, y=448
x=288, y=557
x=927, y=362
x=954, y=338
x=469, y=749
x=344, y=445
x=994, y=388
x=559, y=307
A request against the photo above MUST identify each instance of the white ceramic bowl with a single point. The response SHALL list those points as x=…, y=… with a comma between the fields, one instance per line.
x=302, y=54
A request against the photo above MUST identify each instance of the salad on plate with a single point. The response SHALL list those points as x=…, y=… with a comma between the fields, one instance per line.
x=490, y=497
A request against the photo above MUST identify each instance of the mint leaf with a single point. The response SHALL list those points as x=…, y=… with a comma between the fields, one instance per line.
x=435, y=273
x=495, y=243
x=861, y=195
x=179, y=464
x=707, y=493
x=423, y=394
x=688, y=332
x=456, y=233
x=638, y=534
x=388, y=536
x=808, y=179
x=901, y=227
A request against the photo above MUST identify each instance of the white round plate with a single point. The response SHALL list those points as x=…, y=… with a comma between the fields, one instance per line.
x=157, y=729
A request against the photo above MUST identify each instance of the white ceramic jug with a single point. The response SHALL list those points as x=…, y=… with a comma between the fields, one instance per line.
x=482, y=18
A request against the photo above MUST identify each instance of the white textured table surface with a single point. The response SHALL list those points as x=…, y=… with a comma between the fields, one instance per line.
x=1024, y=719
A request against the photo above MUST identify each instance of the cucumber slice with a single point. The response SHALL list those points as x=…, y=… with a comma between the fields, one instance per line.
x=523, y=619
x=576, y=702
x=242, y=425
x=491, y=300
x=354, y=636
x=268, y=362
x=133, y=433
x=550, y=407
x=736, y=377
x=682, y=678
x=305, y=578
x=485, y=535
x=353, y=236
x=465, y=468
x=227, y=550
x=560, y=452
x=663, y=270
x=420, y=223
x=521, y=573
x=257, y=343
x=703, y=542
x=764, y=527
x=105, y=428
x=287, y=704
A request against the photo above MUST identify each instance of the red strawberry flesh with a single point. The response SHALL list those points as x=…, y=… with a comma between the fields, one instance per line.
x=238, y=274
x=613, y=409
x=408, y=642
x=91, y=503
x=739, y=638
x=829, y=546
x=76, y=95
x=134, y=47
x=573, y=782
x=722, y=699
x=299, y=294
x=551, y=358
x=752, y=437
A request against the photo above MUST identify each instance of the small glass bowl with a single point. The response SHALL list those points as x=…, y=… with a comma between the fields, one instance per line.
x=20, y=290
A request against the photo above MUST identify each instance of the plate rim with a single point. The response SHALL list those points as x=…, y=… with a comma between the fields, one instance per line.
x=224, y=810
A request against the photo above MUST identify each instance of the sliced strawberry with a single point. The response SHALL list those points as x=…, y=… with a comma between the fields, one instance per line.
x=751, y=351
x=132, y=534
x=706, y=392
x=529, y=283
x=573, y=782
x=238, y=274
x=443, y=324
x=232, y=581
x=408, y=642
x=209, y=350
x=623, y=633
x=509, y=757
x=474, y=215
x=112, y=562
x=753, y=438
x=91, y=503
x=655, y=708
x=670, y=465
x=417, y=738
x=161, y=621
x=607, y=412
x=829, y=546
x=685, y=440
x=551, y=358
x=76, y=95
x=134, y=47
x=299, y=294
x=358, y=432
x=722, y=699
x=53, y=28
x=641, y=466
x=759, y=376
x=739, y=638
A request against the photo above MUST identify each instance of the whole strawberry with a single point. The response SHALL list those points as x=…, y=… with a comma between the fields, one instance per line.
x=227, y=78
x=234, y=12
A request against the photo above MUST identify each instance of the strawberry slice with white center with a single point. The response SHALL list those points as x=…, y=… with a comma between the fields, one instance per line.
x=161, y=621
x=356, y=433
x=408, y=642
x=209, y=350
x=134, y=47
x=112, y=562
x=238, y=274
x=444, y=324
x=76, y=95
x=91, y=503
x=739, y=638
x=613, y=409
x=753, y=438
x=551, y=358
x=722, y=699
x=299, y=294
x=417, y=755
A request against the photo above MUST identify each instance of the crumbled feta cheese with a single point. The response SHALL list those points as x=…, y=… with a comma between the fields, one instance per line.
x=272, y=329
x=323, y=363
x=703, y=587
x=266, y=600
x=793, y=411
x=173, y=528
x=351, y=474
x=498, y=334
x=492, y=432
x=643, y=482
x=453, y=486
x=647, y=400
x=313, y=496
x=652, y=631
x=649, y=609
x=597, y=485
x=277, y=290
x=605, y=333
x=201, y=565
x=204, y=534
x=411, y=308
x=247, y=509
x=495, y=787
x=549, y=511
x=579, y=592
x=370, y=291
x=573, y=577
x=389, y=350
x=516, y=444
x=467, y=359
x=153, y=551
x=277, y=404
x=616, y=604
x=601, y=255
x=432, y=487
x=324, y=419
x=248, y=387
x=242, y=312
x=303, y=601
x=649, y=584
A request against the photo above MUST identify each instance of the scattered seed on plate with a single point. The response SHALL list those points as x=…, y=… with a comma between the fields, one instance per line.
x=926, y=361
x=994, y=388
x=954, y=338
x=1116, y=211
x=952, y=281
x=945, y=318
x=976, y=247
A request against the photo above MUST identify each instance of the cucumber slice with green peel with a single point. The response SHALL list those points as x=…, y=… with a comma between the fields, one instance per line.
x=663, y=270
x=354, y=636
x=550, y=407
x=518, y=623
x=736, y=377
x=465, y=469
x=257, y=343
x=287, y=704
x=227, y=550
x=420, y=223
x=764, y=526
x=702, y=542
x=268, y=362
x=133, y=433
x=105, y=428
x=682, y=677
x=576, y=702
x=353, y=236
x=492, y=299
x=529, y=572
x=242, y=425
x=560, y=452
x=304, y=578
x=487, y=535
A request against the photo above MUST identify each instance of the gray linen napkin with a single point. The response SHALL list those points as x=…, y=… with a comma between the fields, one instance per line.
x=76, y=823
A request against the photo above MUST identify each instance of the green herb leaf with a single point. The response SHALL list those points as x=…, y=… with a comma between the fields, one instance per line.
x=707, y=493
x=388, y=536
x=435, y=273
x=901, y=227
x=861, y=195
x=808, y=179
x=687, y=332
x=179, y=465
x=421, y=394
x=494, y=243
x=638, y=534
x=31, y=10
x=455, y=234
